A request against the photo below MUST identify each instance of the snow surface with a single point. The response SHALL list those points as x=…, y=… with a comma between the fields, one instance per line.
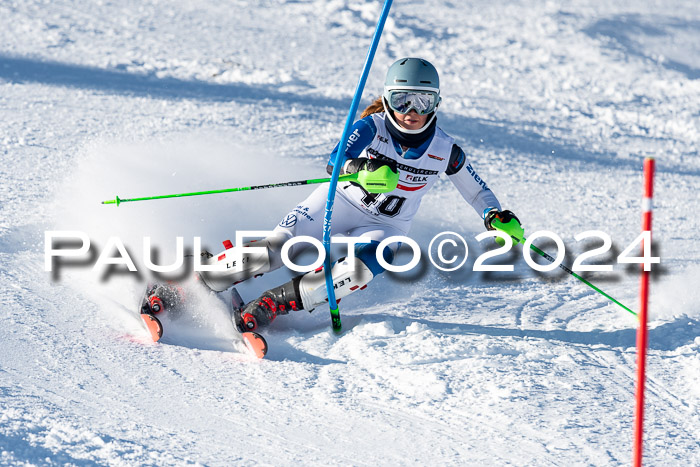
x=557, y=104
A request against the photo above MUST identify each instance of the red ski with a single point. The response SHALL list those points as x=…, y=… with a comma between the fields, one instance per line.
x=155, y=328
x=161, y=297
x=256, y=344
x=156, y=299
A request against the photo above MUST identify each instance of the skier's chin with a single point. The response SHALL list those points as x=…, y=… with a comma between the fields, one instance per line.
x=411, y=125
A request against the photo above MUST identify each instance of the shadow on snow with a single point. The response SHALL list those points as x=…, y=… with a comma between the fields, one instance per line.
x=497, y=135
x=27, y=70
x=624, y=31
x=665, y=337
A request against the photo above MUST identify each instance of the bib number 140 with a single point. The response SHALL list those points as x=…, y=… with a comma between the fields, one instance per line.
x=389, y=206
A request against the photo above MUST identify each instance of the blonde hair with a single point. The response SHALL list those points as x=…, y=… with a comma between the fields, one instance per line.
x=373, y=108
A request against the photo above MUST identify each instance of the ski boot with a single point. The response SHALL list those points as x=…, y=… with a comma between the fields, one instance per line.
x=156, y=299
x=161, y=297
x=263, y=310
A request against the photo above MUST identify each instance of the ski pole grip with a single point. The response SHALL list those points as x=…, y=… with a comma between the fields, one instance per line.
x=511, y=228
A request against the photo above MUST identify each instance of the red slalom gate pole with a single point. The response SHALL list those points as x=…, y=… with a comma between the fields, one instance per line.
x=642, y=334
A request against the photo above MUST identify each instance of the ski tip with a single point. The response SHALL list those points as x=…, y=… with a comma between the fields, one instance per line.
x=255, y=343
x=153, y=325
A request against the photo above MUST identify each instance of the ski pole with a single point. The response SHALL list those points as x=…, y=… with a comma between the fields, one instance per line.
x=343, y=178
x=338, y=163
x=501, y=226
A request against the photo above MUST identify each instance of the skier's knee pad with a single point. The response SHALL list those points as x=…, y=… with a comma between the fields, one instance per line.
x=237, y=264
x=348, y=276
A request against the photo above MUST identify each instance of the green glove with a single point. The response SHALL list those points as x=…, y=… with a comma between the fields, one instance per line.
x=506, y=222
x=374, y=175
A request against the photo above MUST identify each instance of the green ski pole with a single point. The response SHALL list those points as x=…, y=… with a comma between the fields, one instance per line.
x=343, y=178
x=504, y=228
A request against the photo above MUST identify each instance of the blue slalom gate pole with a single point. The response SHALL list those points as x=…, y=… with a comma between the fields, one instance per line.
x=340, y=160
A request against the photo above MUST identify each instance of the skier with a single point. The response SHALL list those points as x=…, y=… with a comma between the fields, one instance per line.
x=396, y=143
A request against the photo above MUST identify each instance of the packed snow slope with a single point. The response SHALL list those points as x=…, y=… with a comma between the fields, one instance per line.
x=556, y=103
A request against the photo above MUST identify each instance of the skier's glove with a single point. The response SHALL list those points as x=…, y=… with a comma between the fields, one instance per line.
x=374, y=175
x=506, y=222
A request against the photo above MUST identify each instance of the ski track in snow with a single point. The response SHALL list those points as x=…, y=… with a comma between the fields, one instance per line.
x=556, y=105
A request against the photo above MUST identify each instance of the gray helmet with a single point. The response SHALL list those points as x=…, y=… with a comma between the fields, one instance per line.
x=411, y=74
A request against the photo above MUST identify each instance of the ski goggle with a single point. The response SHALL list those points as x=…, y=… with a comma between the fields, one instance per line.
x=403, y=101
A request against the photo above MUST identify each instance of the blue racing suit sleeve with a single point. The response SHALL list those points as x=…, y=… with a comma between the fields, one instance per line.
x=362, y=133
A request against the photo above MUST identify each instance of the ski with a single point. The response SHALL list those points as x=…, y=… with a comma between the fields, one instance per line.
x=153, y=325
x=150, y=305
x=160, y=298
x=254, y=342
x=157, y=299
